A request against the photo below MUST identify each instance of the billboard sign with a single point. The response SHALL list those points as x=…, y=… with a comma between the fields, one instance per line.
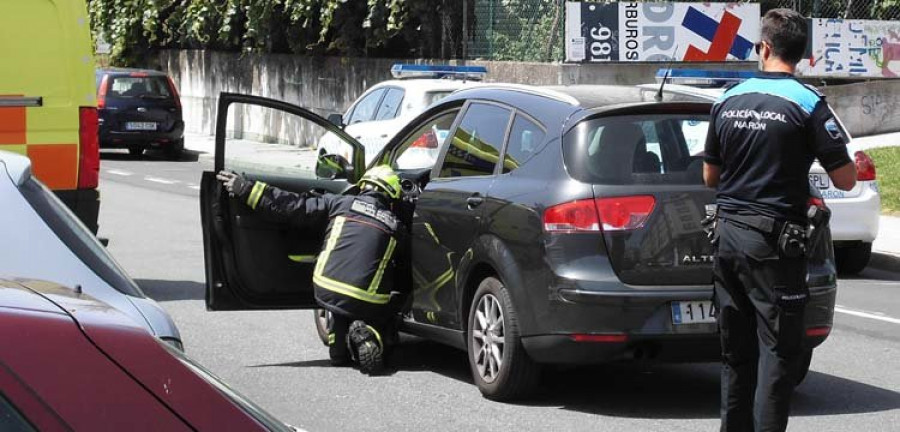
x=661, y=32
x=853, y=48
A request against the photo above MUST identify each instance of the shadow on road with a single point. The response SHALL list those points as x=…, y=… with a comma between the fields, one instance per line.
x=150, y=155
x=166, y=290
x=692, y=391
x=881, y=267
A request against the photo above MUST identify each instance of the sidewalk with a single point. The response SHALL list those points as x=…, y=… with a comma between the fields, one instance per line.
x=873, y=141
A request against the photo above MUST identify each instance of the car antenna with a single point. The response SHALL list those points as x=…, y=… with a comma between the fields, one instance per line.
x=659, y=94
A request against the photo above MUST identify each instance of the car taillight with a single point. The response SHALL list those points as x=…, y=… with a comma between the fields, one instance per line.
x=818, y=331
x=89, y=148
x=609, y=214
x=174, y=92
x=101, y=94
x=865, y=167
x=138, y=75
x=427, y=140
x=624, y=213
x=575, y=216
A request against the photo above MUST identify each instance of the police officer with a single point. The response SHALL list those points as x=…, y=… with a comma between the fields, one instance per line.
x=354, y=274
x=764, y=134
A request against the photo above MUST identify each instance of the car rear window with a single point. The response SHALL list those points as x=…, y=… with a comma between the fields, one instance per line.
x=623, y=150
x=77, y=237
x=139, y=86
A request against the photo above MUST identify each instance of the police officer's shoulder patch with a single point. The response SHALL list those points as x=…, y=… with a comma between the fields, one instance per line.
x=833, y=129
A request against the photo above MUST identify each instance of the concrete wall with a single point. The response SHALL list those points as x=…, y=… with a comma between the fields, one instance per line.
x=330, y=84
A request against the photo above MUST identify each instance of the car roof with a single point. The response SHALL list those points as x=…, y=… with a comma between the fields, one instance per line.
x=18, y=167
x=126, y=71
x=426, y=84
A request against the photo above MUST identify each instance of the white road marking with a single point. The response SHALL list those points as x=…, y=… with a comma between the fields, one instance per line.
x=119, y=172
x=870, y=315
x=160, y=180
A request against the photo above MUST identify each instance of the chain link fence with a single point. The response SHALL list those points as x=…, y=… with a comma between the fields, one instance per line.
x=533, y=30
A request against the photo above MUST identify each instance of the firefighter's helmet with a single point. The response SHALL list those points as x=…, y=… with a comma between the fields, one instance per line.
x=383, y=178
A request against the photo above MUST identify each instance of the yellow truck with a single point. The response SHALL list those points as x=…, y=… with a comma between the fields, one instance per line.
x=48, y=106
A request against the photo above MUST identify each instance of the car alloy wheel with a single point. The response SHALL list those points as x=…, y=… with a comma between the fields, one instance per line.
x=488, y=337
x=500, y=367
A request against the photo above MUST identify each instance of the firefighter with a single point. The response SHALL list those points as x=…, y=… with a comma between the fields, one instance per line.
x=354, y=277
x=763, y=136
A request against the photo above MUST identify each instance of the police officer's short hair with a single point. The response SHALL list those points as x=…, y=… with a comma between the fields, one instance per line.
x=786, y=31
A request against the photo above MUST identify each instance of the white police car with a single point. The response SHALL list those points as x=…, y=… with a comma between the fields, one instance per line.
x=855, y=213
x=386, y=107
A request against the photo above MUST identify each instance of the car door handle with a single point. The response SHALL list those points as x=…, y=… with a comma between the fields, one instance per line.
x=384, y=136
x=474, y=201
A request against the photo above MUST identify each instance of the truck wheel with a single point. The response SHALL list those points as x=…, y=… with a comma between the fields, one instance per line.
x=501, y=368
x=853, y=259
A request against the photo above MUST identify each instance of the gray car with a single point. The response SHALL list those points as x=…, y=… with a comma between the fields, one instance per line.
x=42, y=239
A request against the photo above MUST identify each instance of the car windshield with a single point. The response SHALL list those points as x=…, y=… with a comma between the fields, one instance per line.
x=139, y=86
x=264, y=418
x=77, y=237
x=657, y=149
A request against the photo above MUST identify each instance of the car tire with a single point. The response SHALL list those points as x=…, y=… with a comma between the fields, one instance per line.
x=323, y=321
x=803, y=367
x=174, y=151
x=136, y=151
x=511, y=374
x=853, y=259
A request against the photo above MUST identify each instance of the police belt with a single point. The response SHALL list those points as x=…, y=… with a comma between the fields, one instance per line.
x=763, y=224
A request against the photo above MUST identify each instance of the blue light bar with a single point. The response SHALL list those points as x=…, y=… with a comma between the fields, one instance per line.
x=476, y=73
x=703, y=78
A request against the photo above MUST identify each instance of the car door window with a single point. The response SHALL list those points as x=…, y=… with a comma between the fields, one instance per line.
x=474, y=148
x=420, y=150
x=263, y=142
x=525, y=137
x=390, y=105
x=365, y=110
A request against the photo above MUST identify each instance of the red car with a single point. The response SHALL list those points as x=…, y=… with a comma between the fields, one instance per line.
x=71, y=362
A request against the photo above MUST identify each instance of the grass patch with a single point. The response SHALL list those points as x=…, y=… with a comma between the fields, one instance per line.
x=887, y=166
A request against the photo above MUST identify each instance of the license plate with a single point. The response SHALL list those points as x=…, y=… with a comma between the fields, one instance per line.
x=693, y=312
x=820, y=181
x=143, y=126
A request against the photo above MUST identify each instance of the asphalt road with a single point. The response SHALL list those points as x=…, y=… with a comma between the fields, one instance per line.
x=150, y=213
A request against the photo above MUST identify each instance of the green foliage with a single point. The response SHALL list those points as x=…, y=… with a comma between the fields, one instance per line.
x=887, y=164
x=135, y=28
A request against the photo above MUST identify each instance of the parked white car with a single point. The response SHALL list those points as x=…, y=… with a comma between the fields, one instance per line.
x=42, y=239
x=376, y=116
x=855, y=213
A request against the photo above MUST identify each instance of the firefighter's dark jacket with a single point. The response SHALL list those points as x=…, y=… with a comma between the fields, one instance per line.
x=355, y=271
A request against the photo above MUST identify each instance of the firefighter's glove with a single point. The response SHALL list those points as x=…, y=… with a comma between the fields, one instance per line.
x=236, y=184
x=709, y=227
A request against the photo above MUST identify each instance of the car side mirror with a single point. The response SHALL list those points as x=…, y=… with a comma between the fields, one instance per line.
x=337, y=120
x=332, y=166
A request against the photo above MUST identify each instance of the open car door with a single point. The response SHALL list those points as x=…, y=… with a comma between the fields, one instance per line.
x=253, y=263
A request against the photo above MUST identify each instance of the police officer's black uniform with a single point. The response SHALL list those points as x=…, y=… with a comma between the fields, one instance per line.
x=764, y=134
x=355, y=271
